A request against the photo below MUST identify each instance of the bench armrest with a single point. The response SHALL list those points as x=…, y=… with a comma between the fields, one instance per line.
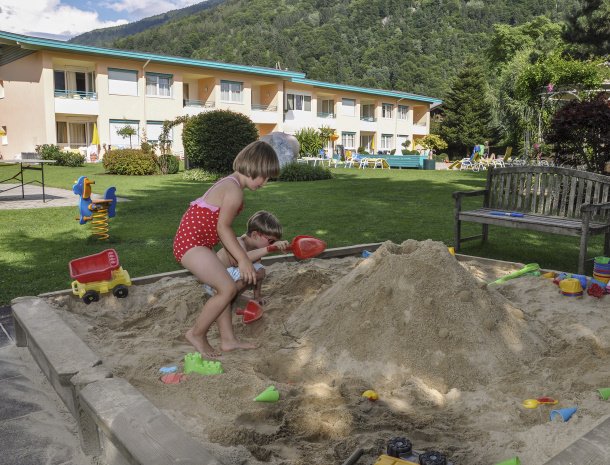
x=459, y=194
x=591, y=207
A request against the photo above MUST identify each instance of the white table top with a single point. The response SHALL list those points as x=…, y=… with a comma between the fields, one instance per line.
x=26, y=160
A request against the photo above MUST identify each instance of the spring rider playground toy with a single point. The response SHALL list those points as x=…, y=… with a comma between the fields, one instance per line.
x=99, y=273
x=97, y=211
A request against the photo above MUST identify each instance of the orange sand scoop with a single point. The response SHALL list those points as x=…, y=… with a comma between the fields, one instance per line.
x=252, y=312
x=533, y=403
x=304, y=247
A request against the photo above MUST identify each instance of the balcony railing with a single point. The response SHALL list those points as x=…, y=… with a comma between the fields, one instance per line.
x=323, y=114
x=370, y=119
x=259, y=107
x=76, y=94
x=198, y=103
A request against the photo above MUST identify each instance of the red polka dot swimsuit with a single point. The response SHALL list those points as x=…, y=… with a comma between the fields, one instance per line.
x=199, y=225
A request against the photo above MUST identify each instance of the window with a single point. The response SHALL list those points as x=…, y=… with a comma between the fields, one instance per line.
x=328, y=107
x=231, y=91
x=366, y=141
x=3, y=135
x=348, y=139
x=349, y=107
x=298, y=102
x=386, y=141
x=386, y=110
x=159, y=85
x=403, y=112
x=124, y=142
x=73, y=134
x=122, y=82
x=367, y=112
x=74, y=84
x=154, y=129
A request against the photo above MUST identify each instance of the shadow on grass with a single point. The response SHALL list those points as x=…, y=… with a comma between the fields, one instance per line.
x=352, y=208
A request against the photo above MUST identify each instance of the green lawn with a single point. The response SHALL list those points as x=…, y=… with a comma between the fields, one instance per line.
x=358, y=206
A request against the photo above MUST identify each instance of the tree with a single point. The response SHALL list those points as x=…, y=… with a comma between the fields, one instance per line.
x=127, y=131
x=213, y=139
x=434, y=142
x=310, y=141
x=588, y=29
x=467, y=119
x=580, y=131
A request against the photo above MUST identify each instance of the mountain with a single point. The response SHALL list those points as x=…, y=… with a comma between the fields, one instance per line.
x=410, y=45
x=106, y=36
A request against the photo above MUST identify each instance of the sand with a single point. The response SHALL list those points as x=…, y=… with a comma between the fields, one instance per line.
x=451, y=359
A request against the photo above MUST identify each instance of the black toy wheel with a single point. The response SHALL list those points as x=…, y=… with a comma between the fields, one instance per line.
x=432, y=457
x=398, y=447
x=120, y=292
x=91, y=296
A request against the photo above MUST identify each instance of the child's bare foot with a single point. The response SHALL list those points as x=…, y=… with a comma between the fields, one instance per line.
x=202, y=345
x=236, y=344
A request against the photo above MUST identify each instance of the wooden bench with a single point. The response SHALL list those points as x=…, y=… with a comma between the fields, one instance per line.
x=541, y=198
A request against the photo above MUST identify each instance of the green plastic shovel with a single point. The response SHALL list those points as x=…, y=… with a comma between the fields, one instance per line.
x=530, y=267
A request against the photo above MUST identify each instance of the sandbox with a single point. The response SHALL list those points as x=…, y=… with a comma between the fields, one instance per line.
x=451, y=359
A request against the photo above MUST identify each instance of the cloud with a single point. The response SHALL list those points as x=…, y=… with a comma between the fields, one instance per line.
x=145, y=8
x=49, y=18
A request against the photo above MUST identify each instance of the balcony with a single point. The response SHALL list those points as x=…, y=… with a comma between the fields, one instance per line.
x=264, y=114
x=420, y=128
x=76, y=102
x=368, y=123
x=194, y=107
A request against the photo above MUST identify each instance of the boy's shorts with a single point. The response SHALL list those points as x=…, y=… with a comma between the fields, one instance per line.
x=235, y=274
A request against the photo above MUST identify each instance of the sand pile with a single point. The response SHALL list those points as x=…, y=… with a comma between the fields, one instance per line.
x=412, y=310
x=451, y=359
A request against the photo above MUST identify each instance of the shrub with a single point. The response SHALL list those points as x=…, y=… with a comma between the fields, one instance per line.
x=130, y=162
x=304, y=172
x=310, y=141
x=168, y=164
x=53, y=152
x=213, y=139
x=580, y=131
x=199, y=175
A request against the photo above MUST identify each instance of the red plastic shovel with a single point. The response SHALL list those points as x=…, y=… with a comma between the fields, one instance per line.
x=252, y=312
x=304, y=247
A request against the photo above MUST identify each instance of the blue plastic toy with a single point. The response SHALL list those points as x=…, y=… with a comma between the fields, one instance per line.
x=97, y=211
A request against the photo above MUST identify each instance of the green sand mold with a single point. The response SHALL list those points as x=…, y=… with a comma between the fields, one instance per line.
x=193, y=363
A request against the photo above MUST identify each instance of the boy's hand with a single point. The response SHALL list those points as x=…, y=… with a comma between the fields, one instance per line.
x=247, y=272
x=282, y=245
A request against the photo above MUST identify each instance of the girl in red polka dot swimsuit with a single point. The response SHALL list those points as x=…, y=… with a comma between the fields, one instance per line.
x=207, y=221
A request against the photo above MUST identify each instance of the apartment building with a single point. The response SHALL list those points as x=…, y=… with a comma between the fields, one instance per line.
x=54, y=92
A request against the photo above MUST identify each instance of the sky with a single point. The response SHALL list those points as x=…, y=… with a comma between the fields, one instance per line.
x=63, y=19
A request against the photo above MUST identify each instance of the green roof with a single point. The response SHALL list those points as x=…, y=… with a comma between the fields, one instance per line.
x=28, y=42
x=366, y=90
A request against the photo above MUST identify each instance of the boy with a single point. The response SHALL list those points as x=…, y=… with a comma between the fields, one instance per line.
x=263, y=230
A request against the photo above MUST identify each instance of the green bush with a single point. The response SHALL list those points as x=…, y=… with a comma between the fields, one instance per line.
x=53, y=152
x=213, y=139
x=200, y=175
x=168, y=164
x=132, y=162
x=304, y=172
x=310, y=141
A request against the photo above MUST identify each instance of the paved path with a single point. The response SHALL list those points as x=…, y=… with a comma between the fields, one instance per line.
x=35, y=426
x=55, y=197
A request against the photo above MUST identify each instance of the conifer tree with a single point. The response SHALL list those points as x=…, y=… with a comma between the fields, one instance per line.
x=467, y=113
x=588, y=29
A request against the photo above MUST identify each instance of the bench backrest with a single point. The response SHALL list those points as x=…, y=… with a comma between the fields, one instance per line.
x=546, y=190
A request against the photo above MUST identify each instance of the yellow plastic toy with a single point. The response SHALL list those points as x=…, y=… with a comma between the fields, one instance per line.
x=387, y=460
x=98, y=273
x=370, y=395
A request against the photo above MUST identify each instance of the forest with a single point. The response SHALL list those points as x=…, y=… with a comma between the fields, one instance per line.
x=489, y=60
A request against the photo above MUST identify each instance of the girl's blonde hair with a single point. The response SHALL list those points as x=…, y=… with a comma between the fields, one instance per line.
x=265, y=223
x=257, y=159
